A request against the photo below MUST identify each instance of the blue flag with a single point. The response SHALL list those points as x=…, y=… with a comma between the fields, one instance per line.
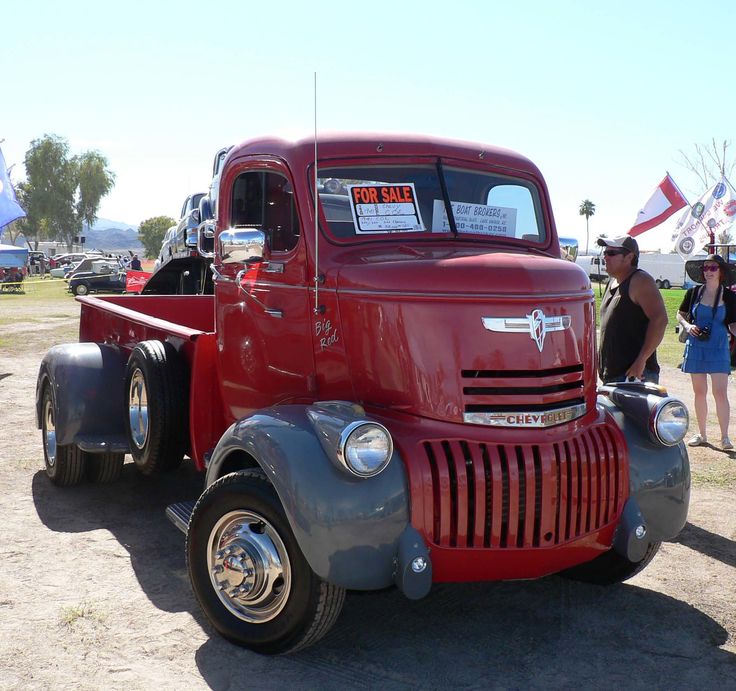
x=9, y=208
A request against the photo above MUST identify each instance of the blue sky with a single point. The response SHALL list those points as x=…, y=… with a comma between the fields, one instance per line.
x=602, y=98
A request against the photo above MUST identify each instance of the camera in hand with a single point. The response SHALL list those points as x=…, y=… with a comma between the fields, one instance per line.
x=704, y=334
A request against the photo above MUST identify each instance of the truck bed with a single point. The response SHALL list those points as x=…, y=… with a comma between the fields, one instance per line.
x=185, y=321
x=145, y=317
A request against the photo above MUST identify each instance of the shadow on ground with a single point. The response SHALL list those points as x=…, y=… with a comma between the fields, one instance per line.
x=550, y=633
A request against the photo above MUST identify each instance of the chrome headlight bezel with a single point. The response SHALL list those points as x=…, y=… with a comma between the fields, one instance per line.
x=351, y=433
x=656, y=422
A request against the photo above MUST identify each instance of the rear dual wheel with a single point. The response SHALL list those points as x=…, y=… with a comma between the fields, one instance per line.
x=156, y=422
x=68, y=465
x=64, y=464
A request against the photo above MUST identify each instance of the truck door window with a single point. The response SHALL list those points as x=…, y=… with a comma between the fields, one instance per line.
x=265, y=200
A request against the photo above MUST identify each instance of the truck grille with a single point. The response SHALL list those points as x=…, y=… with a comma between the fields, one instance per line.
x=506, y=391
x=521, y=495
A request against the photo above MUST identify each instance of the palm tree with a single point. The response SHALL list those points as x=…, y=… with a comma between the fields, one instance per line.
x=587, y=209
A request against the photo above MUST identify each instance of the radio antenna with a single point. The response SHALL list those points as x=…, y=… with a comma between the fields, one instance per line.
x=316, y=208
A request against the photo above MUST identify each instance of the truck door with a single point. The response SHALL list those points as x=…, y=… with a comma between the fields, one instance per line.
x=262, y=311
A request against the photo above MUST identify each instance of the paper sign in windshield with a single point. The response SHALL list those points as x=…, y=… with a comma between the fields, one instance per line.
x=385, y=208
x=480, y=219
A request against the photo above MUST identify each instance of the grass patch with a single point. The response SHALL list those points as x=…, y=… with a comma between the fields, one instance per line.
x=721, y=475
x=670, y=350
x=83, y=611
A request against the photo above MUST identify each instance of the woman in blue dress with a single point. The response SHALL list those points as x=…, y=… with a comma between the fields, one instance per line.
x=707, y=314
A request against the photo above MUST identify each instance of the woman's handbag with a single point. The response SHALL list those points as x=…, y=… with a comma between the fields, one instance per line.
x=682, y=336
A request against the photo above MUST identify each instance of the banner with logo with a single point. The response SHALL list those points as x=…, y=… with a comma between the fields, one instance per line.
x=712, y=214
x=135, y=280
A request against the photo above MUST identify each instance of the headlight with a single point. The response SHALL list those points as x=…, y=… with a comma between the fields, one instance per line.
x=365, y=448
x=669, y=421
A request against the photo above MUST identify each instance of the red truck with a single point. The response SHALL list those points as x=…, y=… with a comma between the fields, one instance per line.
x=401, y=391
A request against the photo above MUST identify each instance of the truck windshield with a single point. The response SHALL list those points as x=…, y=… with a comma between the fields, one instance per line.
x=359, y=202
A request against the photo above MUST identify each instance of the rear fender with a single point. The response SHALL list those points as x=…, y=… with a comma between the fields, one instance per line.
x=88, y=381
x=347, y=527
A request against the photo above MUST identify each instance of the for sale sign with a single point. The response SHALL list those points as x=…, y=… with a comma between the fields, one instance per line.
x=385, y=208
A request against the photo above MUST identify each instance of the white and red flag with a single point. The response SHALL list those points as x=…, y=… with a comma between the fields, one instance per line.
x=661, y=205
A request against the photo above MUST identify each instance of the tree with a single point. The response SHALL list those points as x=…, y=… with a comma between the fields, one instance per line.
x=61, y=193
x=587, y=209
x=151, y=233
x=709, y=163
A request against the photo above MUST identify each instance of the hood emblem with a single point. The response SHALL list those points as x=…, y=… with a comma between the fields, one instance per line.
x=536, y=324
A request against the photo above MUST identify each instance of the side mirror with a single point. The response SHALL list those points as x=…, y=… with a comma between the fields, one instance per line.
x=569, y=248
x=242, y=246
x=194, y=215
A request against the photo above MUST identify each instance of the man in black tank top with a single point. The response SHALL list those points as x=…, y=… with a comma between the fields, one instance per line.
x=633, y=316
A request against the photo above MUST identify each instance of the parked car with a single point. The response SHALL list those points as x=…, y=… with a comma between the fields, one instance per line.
x=185, y=237
x=167, y=246
x=94, y=264
x=85, y=282
x=66, y=259
x=214, y=191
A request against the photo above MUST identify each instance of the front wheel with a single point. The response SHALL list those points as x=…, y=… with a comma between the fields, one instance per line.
x=248, y=572
x=611, y=567
x=81, y=289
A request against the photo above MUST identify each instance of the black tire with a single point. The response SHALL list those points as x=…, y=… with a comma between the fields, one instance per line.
x=81, y=289
x=658, y=283
x=64, y=464
x=104, y=468
x=666, y=284
x=299, y=607
x=611, y=567
x=156, y=405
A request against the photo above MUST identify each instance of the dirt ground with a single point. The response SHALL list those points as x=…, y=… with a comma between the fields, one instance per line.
x=94, y=592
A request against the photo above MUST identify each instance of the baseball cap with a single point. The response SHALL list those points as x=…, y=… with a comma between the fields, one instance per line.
x=624, y=242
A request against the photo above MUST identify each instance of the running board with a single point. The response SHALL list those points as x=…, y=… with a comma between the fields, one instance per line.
x=180, y=513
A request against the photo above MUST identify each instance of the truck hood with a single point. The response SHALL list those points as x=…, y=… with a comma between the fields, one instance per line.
x=458, y=271
x=464, y=336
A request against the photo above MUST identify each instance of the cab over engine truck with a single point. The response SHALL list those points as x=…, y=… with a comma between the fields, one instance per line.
x=401, y=393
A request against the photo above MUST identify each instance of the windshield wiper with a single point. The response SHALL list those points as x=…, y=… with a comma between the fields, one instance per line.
x=446, y=198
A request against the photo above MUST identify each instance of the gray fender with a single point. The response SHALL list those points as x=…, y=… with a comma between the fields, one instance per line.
x=347, y=527
x=659, y=477
x=88, y=381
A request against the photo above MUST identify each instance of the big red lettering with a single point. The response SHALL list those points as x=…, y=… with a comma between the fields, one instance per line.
x=396, y=195
x=365, y=195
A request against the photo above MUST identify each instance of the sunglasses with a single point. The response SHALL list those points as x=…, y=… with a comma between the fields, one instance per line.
x=613, y=253
x=711, y=267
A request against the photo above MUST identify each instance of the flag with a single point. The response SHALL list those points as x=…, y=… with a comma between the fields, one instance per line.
x=713, y=213
x=661, y=205
x=9, y=208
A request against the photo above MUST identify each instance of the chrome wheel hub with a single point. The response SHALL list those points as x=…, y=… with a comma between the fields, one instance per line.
x=138, y=409
x=49, y=432
x=249, y=567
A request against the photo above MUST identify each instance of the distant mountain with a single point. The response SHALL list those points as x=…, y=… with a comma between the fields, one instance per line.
x=104, y=223
x=104, y=235
x=111, y=235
